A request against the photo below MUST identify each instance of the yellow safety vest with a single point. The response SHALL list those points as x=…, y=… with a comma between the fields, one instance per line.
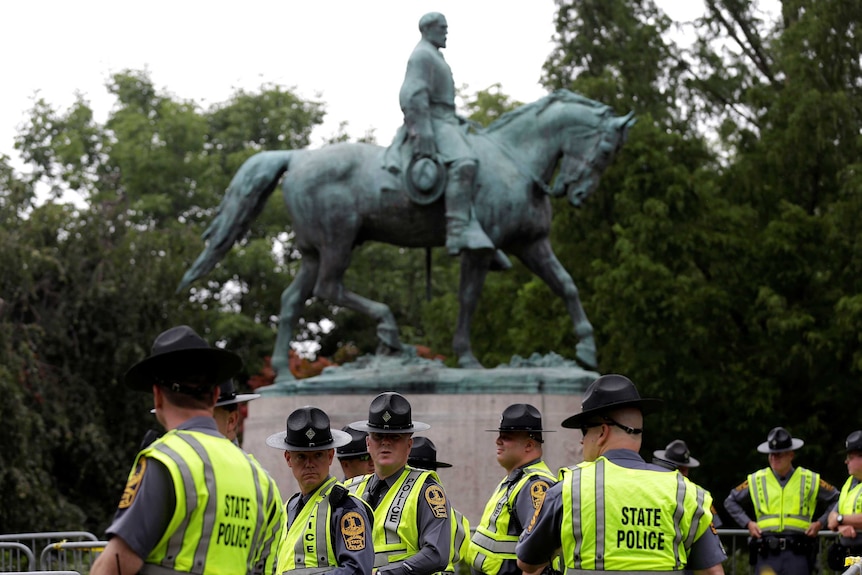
x=205, y=535
x=850, y=501
x=492, y=544
x=396, y=530
x=307, y=544
x=787, y=508
x=621, y=519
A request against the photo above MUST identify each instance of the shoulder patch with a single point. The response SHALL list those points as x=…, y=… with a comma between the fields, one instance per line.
x=742, y=486
x=537, y=493
x=133, y=484
x=826, y=485
x=436, y=501
x=353, y=531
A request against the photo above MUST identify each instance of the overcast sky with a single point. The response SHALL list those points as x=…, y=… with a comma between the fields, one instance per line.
x=349, y=53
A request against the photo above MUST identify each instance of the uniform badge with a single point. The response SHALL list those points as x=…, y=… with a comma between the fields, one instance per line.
x=537, y=493
x=437, y=501
x=353, y=531
x=133, y=484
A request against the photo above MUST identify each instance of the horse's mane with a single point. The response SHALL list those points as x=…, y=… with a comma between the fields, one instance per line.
x=537, y=107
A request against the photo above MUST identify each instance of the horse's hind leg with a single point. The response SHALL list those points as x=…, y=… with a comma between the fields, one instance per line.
x=330, y=286
x=292, y=301
x=474, y=268
x=540, y=259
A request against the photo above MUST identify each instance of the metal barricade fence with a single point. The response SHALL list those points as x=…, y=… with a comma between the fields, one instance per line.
x=70, y=555
x=16, y=556
x=18, y=550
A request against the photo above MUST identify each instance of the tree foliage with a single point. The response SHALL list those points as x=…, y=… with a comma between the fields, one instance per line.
x=716, y=259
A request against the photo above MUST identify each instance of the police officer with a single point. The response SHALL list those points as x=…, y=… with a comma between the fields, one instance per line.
x=517, y=496
x=194, y=502
x=677, y=456
x=846, y=516
x=328, y=530
x=227, y=408
x=412, y=517
x=423, y=455
x=783, y=500
x=614, y=511
x=354, y=457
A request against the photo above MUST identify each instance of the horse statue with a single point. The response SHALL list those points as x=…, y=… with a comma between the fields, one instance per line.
x=340, y=196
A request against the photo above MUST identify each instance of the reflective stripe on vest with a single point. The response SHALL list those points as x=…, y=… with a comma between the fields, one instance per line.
x=307, y=542
x=202, y=529
x=396, y=533
x=787, y=508
x=492, y=543
x=601, y=533
x=850, y=501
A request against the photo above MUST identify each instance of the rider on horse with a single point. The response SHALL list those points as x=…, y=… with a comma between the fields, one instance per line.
x=431, y=126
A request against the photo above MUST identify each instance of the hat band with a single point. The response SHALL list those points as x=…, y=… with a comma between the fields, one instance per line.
x=386, y=426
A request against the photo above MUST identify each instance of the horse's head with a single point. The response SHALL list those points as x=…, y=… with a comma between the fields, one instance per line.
x=586, y=153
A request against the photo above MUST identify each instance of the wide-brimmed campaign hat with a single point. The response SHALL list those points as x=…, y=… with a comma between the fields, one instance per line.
x=229, y=396
x=521, y=417
x=357, y=446
x=779, y=441
x=853, y=442
x=677, y=453
x=390, y=413
x=308, y=430
x=423, y=455
x=181, y=353
x=607, y=393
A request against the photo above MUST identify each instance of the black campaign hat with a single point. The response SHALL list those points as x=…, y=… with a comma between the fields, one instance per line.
x=357, y=446
x=521, y=417
x=390, y=413
x=779, y=441
x=607, y=393
x=229, y=396
x=677, y=453
x=178, y=353
x=854, y=442
x=423, y=455
x=308, y=430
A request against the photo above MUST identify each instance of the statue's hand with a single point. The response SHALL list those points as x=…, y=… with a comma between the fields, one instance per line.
x=423, y=146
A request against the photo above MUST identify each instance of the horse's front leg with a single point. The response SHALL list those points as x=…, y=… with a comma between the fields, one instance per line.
x=474, y=268
x=540, y=259
x=292, y=301
x=334, y=260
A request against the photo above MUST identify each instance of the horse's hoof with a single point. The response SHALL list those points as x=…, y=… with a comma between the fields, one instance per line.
x=388, y=351
x=469, y=362
x=585, y=353
x=388, y=337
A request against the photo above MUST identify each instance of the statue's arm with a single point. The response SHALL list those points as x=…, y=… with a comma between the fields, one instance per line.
x=416, y=103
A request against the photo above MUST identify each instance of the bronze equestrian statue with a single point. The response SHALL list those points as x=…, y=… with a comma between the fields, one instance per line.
x=339, y=197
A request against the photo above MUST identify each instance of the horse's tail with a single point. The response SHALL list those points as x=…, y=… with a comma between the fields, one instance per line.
x=243, y=201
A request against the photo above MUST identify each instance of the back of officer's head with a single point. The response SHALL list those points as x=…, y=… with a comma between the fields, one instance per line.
x=198, y=393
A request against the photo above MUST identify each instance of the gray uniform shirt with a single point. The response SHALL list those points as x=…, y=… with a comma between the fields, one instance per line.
x=523, y=510
x=349, y=561
x=143, y=523
x=741, y=508
x=435, y=532
x=537, y=545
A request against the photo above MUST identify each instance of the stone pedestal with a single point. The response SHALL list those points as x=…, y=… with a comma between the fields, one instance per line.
x=460, y=405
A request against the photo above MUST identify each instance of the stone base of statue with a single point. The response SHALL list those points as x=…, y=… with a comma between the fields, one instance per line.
x=461, y=405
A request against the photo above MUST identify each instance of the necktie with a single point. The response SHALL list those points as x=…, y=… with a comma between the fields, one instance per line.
x=376, y=493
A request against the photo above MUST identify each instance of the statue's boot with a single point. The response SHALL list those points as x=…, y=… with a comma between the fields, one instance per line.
x=463, y=231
